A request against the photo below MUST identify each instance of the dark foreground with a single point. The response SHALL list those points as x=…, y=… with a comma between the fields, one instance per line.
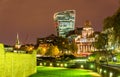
x=63, y=72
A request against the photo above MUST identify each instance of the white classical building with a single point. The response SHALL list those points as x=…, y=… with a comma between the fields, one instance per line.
x=86, y=39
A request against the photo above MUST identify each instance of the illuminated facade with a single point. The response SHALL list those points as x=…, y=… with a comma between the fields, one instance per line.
x=64, y=22
x=85, y=40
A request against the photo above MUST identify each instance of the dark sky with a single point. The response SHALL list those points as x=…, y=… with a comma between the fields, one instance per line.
x=34, y=18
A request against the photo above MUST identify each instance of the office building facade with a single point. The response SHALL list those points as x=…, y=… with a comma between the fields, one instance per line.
x=64, y=22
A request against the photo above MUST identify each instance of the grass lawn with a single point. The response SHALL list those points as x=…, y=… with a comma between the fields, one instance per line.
x=62, y=72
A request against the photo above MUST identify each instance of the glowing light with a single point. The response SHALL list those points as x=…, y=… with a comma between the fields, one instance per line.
x=30, y=48
x=45, y=64
x=61, y=65
x=91, y=66
x=51, y=64
x=58, y=64
x=111, y=74
x=82, y=66
x=65, y=65
x=44, y=49
x=81, y=60
x=105, y=71
x=114, y=59
x=40, y=64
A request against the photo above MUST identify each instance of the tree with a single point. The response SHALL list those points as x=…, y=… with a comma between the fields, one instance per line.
x=55, y=51
x=61, y=43
x=118, y=57
x=102, y=41
x=113, y=22
x=52, y=51
x=101, y=44
x=49, y=51
x=73, y=48
x=108, y=23
x=41, y=50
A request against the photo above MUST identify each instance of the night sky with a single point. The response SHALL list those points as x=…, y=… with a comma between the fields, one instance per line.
x=34, y=18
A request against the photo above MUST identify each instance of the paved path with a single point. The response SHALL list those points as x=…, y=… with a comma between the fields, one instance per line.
x=63, y=72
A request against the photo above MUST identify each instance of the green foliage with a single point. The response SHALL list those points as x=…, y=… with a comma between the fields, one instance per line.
x=101, y=41
x=67, y=57
x=108, y=23
x=49, y=51
x=52, y=51
x=41, y=50
x=73, y=47
x=92, y=57
x=55, y=51
x=113, y=22
x=62, y=43
x=118, y=56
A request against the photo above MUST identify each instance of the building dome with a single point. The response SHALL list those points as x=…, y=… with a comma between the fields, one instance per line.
x=87, y=23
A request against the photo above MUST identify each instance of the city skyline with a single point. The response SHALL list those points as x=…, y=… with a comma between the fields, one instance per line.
x=33, y=19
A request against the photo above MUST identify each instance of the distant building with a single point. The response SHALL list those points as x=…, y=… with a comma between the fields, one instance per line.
x=85, y=40
x=64, y=22
x=73, y=34
x=53, y=40
x=8, y=48
x=17, y=44
x=46, y=40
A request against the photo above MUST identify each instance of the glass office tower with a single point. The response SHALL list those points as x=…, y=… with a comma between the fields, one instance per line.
x=64, y=22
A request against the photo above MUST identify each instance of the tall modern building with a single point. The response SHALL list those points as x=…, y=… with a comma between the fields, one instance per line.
x=64, y=22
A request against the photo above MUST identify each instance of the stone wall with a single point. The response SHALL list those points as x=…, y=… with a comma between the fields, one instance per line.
x=16, y=64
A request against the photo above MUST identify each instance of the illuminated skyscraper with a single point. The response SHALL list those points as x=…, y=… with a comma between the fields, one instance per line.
x=64, y=22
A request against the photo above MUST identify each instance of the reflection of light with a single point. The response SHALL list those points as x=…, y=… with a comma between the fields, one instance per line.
x=111, y=74
x=100, y=71
x=81, y=60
